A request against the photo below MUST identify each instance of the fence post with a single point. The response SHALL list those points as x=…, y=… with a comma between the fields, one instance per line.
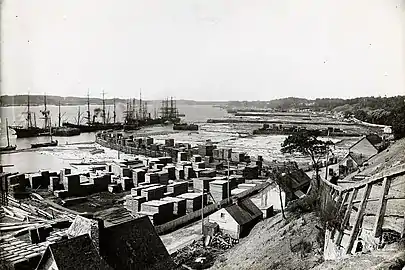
x=338, y=206
x=359, y=218
x=403, y=228
x=382, y=204
x=346, y=217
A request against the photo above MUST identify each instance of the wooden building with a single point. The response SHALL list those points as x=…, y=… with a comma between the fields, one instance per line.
x=237, y=219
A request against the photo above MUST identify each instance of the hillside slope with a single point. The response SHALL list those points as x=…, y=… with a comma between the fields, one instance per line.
x=297, y=243
x=294, y=243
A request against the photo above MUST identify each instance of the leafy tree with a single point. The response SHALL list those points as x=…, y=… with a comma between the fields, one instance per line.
x=307, y=143
x=398, y=123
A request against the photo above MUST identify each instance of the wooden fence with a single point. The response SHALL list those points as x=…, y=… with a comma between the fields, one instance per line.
x=364, y=210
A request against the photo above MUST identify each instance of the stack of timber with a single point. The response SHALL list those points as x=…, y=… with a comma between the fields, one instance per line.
x=27, y=216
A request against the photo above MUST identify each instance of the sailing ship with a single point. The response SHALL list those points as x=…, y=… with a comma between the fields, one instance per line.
x=64, y=131
x=92, y=125
x=31, y=129
x=8, y=147
x=46, y=144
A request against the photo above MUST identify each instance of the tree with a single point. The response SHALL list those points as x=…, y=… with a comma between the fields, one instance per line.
x=398, y=123
x=307, y=143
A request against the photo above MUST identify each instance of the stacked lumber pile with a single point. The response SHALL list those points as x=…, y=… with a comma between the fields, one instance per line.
x=27, y=216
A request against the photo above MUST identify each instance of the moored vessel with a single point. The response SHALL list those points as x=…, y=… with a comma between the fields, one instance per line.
x=8, y=147
x=31, y=129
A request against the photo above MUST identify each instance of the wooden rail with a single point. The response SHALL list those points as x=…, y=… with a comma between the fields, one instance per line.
x=348, y=228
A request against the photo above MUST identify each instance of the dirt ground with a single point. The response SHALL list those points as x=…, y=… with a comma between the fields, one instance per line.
x=275, y=243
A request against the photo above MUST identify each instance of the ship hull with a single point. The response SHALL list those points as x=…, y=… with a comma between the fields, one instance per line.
x=93, y=127
x=30, y=132
x=185, y=127
x=8, y=148
x=38, y=145
x=66, y=131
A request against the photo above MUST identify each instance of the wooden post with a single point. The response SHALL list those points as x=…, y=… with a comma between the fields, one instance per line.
x=358, y=220
x=346, y=217
x=344, y=201
x=382, y=204
x=340, y=203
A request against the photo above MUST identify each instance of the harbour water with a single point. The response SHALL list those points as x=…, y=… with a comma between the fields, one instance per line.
x=230, y=135
x=35, y=160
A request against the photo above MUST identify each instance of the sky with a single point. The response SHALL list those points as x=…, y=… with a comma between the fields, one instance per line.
x=203, y=49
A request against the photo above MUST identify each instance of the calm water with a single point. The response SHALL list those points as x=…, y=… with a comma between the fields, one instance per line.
x=33, y=161
x=15, y=116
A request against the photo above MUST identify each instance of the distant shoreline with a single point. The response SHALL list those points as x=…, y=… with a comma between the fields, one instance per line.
x=38, y=100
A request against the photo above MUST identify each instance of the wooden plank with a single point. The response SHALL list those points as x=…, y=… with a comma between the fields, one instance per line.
x=392, y=172
x=382, y=204
x=342, y=205
x=358, y=219
x=403, y=229
x=336, y=196
x=346, y=217
x=339, y=204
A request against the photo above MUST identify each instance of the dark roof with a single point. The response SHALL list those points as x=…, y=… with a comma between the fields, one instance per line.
x=374, y=139
x=76, y=253
x=364, y=138
x=134, y=245
x=244, y=211
x=295, y=180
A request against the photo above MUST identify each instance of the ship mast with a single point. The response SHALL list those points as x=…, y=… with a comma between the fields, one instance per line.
x=8, y=138
x=78, y=117
x=59, y=115
x=103, y=108
x=50, y=132
x=45, y=113
x=140, y=104
x=88, y=109
x=29, y=120
x=115, y=114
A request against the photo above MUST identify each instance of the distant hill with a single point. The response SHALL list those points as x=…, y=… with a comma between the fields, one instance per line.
x=21, y=100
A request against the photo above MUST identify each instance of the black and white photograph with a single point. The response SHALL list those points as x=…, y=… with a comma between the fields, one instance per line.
x=202, y=134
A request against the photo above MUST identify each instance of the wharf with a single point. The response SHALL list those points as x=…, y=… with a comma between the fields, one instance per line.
x=307, y=115
x=260, y=121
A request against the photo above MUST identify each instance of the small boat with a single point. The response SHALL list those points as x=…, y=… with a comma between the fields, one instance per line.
x=8, y=147
x=46, y=144
x=185, y=126
x=66, y=131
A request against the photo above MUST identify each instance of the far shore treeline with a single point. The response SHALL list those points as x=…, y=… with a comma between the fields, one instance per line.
x=21, y=100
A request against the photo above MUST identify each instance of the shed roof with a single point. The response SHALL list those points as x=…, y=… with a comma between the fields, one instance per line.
x=244, y=212
x=75, y=253
x=360, y=140
x=295, y=180
x=134, y=245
